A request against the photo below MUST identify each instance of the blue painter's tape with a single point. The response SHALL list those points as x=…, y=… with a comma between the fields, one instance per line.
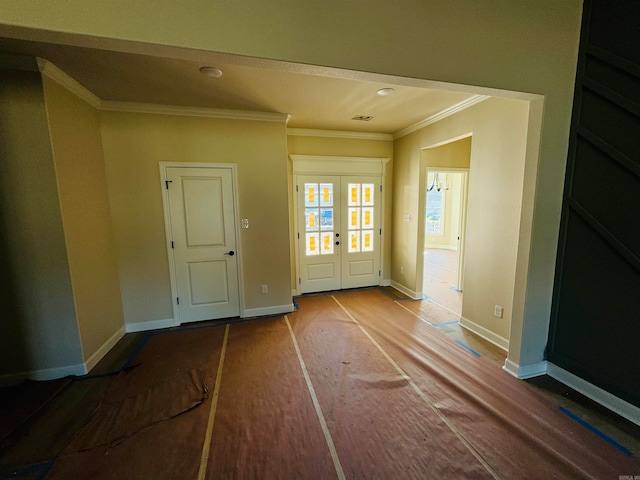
x=468, y=348
x=444, y=324
x=593, y=429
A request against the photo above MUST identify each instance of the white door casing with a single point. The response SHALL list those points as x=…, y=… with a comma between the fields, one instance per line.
x=202, y=240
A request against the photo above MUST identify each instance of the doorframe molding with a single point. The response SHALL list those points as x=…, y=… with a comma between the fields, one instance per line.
x=167, y=227
x=338, y=166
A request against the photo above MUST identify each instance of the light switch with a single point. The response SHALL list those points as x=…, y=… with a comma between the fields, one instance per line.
x=245, y=223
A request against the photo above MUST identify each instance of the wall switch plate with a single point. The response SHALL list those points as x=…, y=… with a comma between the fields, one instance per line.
x=497, y=311
x=265, y=288
x=245, y=223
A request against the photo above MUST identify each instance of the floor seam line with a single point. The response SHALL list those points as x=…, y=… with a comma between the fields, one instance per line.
x=316, y=404
x=206, y=447
x=422, y=395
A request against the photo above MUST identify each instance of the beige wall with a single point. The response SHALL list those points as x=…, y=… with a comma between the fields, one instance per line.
x=499, y=129
x=38, y=331
x=86, y=216
x=135, y=144
x=524, y=46
x=346, y=147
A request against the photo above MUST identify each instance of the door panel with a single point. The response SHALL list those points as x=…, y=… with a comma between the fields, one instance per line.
x=202, y=220
x=361, y=261
x=319, y=238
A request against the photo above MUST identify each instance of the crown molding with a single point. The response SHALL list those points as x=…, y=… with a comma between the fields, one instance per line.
x=54, y=73
x=310, y=132
x=447, y=112
x=131, y=107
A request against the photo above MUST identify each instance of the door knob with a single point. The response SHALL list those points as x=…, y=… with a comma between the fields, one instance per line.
x=231, y=253
x=337, y=243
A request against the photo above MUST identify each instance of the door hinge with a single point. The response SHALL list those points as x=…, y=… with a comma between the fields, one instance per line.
x=380, y=231
x=178, y=300
x=298, y=235
x=379, y=273
x=296, y=188
x=381, y=187
x=167, y=182
x=172, y=244
x=299, y=281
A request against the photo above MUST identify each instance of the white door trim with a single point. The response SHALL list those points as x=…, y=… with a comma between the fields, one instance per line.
x=167, y=227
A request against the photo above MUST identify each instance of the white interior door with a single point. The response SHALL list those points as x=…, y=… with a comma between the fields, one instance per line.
x=203, y=236
x=338, y=219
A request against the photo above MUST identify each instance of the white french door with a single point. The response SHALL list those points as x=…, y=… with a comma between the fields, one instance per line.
x=338, y=232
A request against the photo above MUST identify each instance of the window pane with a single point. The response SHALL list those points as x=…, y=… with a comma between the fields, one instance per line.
x=326, y=219
x=310, y=194
x=435, y=212
x=367, y=240
x=368, y=194
x=354, y=241
x=367, y=217
x=312, y=244
x=326, y=194
x=311, y=219
x=354, y=218
x=354, y=194
x=327, y=243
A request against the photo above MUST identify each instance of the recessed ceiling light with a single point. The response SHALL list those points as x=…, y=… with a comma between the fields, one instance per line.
x=385, y=92
x=211, y=72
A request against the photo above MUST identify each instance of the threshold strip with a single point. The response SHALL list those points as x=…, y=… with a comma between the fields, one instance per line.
x=204, y=459
x=316, y=404
x=422, y=395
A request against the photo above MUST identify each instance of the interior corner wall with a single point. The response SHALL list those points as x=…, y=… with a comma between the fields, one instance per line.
x=39, y=332
x=499, y=128
x=135, y=144
x=345, y=147
x=79, y=163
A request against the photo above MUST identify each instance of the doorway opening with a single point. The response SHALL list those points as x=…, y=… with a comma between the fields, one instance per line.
x=445, y=216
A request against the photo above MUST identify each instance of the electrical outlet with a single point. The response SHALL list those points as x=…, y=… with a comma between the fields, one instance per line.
x=497, y=311
x=265, y=288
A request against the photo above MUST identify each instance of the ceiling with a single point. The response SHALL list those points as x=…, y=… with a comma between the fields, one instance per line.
x=318, y=100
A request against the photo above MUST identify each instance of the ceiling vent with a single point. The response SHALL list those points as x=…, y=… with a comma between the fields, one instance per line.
x=362, y=118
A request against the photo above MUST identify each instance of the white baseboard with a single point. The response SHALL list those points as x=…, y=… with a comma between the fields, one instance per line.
x=408, y=292
x=273, y=310
x=485, y=333
x=150, y=325
x=385, y=283
x=597, y=394
x=104, y=349
x=525, y=371
x=44, y=374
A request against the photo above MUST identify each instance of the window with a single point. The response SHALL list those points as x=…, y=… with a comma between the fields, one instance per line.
x=435, y=204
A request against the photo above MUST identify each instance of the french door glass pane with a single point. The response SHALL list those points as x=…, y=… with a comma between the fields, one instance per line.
x=354, y=241
x=326, y=194
x=354, y=218
x=311, y=219
x=313, y=244
x=310, y=194
x=354, y=194
x=367, y=240
x=327, y=243
x=367, y=194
